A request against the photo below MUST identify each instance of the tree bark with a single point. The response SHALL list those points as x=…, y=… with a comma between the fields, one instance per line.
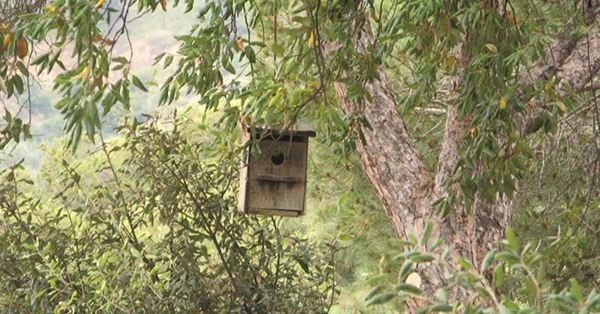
x=396, y=171
x=394, y=167
x=390, y=160
x=407, y=190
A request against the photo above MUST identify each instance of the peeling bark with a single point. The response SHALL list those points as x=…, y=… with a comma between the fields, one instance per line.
x=390, y=160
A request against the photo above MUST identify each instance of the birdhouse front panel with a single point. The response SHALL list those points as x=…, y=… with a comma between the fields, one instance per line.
x=273, y=173
x=276, y=180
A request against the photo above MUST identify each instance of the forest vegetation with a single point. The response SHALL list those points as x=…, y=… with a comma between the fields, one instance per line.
x=455, y=167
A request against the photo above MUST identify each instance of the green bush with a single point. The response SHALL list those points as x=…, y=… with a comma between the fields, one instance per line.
x=150, y=228
x=511, y=280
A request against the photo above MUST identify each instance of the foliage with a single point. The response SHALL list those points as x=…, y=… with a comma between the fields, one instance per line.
x=343, y=207
x=152, y=228
x=560, y=216
x=533, y=293
x=161, y=205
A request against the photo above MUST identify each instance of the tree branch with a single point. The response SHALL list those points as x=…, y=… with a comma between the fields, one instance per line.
x=555, y=55
x=582, y=64
x=431, y=111
x=575, y=74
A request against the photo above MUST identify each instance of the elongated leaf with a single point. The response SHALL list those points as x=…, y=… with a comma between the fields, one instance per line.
x=488, y=259
x=373, y=292
x=408, y=288
x=507, y=257
x=498, y=275
x=382, y=298
x=138, y=83
x=406, y=267
x=427, y=232
x=441, y=308
x=511, y=239
x=422, y=258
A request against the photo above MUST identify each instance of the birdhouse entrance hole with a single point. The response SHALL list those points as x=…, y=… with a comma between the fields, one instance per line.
x=277, y=158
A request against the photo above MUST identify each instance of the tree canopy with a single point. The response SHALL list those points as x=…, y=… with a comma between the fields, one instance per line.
x=467, y=118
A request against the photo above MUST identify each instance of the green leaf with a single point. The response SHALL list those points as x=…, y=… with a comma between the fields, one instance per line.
x=23, y=69
x=121, y=60
x=488, y=259
x=61, y=103
x=561, y=106
x=576, y=290
x=491, y=48
x=76, y=137
x=41, y=58
x=593, y=300
x=278, y=49
x=436, y=244
x=303, y=20
x=250, y=54
x=373, y=292
x=441, y=308
x=168, y=61
x=228, y=66
x=441, y=295
x=427, y=232
x=466, y=265
x=538, y=123
x=508, y=257
x=482, y=292
x=498, y=275
x=405, y=255
x=408, y=288
x=511, y=239
x=138, y=83
x=135, y=252
x=18, y=84
x=406, y=267
x=361, y=136
x=382, y=298
x=302, y=264
x=422, y=258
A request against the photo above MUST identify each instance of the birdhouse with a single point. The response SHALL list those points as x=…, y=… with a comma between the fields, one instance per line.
x=273, y=173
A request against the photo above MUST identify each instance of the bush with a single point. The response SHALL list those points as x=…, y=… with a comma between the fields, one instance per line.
x=511, y=280
x=151, y=228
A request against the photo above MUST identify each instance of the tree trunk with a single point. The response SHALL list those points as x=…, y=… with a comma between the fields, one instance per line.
x=391, y=161
x=393, y=166
x=407, y=190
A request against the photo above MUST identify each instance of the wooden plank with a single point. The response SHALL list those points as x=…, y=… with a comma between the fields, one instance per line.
x=273, y=179
x=271, y=212
x=245, y=168
x=300, y=129
x=293, y=165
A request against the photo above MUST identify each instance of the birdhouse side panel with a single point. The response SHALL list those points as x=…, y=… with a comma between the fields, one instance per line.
x=244, y=170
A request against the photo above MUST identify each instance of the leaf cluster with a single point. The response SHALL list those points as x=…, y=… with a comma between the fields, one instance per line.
x=512, y=264
x=152, y=227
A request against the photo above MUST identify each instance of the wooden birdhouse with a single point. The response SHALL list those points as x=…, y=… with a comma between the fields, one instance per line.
x=273, y=174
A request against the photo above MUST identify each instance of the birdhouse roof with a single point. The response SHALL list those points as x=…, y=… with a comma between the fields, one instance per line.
x=301, y=129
